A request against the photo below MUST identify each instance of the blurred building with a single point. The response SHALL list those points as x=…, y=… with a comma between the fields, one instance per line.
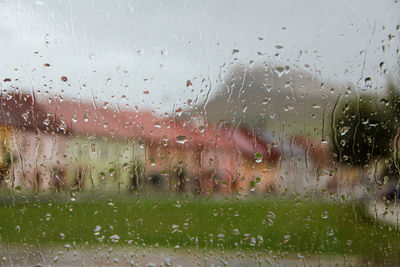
x=60, y=143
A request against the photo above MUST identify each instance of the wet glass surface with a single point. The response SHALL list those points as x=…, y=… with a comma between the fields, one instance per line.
x=180, y=133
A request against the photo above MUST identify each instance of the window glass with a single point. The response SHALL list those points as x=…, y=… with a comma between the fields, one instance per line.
x=180, y=133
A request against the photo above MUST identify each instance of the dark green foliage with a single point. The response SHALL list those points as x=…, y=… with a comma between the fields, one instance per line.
x=363, y=127
x=394, y=102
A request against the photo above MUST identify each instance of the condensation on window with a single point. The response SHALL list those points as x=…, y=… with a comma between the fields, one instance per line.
x=180, y=133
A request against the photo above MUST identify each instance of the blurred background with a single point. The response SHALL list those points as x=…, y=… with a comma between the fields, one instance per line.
x=268, y=101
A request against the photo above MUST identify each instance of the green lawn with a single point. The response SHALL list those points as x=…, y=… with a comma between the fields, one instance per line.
x=277, y=224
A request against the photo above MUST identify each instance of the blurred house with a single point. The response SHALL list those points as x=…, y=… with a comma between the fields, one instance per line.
x=326, y=173
x=33, y=144
x=48, y=140
x=223, y=158
x=56, y=143
x=188, y=155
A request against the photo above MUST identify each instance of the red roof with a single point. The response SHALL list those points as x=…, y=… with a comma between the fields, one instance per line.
x=66, y=116
x=23, y=112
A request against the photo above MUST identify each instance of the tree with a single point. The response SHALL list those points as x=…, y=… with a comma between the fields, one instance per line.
x=364, y=127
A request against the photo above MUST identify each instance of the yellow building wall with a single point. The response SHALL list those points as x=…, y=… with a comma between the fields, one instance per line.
x=5, y=141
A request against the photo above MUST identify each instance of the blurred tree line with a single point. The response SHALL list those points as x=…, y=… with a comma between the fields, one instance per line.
x=365, y=129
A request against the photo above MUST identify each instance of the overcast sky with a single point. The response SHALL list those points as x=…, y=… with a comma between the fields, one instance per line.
x=143, y=52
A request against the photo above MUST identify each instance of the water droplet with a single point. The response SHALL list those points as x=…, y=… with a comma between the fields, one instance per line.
x=111, y=172
x=153, y=162
x=330, y=232
x=258, y=157
x=270, y=218
x=168, y=262
x=181, y=139
x=87, y=116
x=252, y=241
x=344, y=130
x=316, y=106
x=252, y=186
x=286, y=238
x=140, y=52
x=179, y=111
x=56, y=259
x=324, y=215
x=97, y=229
x=115, y=238
x=74, y=118
x=174, y=228
x=279, y=71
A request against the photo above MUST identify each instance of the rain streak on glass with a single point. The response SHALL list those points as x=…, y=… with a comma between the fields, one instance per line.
x=150, y=133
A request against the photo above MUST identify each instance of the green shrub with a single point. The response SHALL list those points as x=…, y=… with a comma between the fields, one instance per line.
x=363, y=127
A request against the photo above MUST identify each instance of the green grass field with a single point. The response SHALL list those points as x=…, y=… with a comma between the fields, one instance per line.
x=308, y=227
